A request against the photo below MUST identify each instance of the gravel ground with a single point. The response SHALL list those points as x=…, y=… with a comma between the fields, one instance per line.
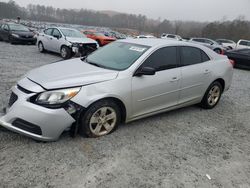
x=174, y=149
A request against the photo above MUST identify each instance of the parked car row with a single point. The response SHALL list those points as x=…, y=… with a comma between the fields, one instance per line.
x=69, y=42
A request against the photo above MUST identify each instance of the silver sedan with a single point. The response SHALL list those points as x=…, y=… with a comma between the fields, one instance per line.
x=121, y=82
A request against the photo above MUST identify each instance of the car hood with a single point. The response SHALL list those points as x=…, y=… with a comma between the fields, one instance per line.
x=23, y=33
x=81, y=40
x=70, y=73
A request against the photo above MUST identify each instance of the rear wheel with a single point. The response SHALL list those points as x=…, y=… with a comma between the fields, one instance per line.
x=212, y=96
x=41, y=47
x=66, y=52
x=100, y=119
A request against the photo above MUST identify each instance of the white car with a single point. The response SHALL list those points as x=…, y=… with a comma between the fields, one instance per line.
x=65, y=41
x=120, y=82
x=145, y=36
x=227, y=43
x=171, y=36
x=243, y=44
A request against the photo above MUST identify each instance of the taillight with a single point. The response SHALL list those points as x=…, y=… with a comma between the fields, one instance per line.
x=222, y=52
x=232, y=62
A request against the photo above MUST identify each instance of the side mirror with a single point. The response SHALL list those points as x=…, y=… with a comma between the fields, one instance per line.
x=145, y=71
x=57, y=36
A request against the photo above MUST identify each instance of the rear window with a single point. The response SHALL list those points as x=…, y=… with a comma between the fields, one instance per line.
x=171, y=36
x=244, y=43
x=199, y=40
x=192, y=56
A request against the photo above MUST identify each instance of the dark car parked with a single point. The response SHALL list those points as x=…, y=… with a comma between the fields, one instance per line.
x=240, y=57
x=16, y=33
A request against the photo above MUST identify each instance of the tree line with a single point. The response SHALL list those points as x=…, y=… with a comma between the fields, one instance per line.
x=236, y=29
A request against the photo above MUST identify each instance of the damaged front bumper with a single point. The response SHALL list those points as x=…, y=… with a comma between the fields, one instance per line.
x=35, y=121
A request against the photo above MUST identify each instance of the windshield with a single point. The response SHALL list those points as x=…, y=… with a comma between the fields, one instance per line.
x=100, y=34
x=72, y=33
x=117, y=55
x=17, y=27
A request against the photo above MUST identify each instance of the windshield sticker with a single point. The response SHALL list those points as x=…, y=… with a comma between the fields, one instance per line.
x=137, y=49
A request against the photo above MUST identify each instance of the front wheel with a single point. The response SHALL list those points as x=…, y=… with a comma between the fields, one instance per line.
x=212, y=96
x=100, y=119
x=41, y=47
x=66, y=52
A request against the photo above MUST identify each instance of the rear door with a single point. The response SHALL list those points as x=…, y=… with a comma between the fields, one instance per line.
x=160, y=91
x=196, y=73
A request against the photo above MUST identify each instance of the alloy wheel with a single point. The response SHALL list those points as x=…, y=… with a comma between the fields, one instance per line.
x=214, y=95
x=103, y=121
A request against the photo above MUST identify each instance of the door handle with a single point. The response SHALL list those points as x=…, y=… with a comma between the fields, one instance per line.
x=207, y=71
x=174, y=79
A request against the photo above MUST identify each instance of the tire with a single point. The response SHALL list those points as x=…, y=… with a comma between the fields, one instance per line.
x=218, y=51
x=95, y=123
x=66, y=52
x=41, y=47
x=212, y=96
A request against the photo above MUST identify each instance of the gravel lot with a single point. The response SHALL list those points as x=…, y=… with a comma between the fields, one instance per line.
x=175, y=149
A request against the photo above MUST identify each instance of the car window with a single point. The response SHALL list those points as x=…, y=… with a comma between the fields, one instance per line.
x=199, y=40
x=72, y=33
x=48, y=31
x=208, y=41
x=56, y=33
x=204, y=57
x=171, y=36
x=162, y=59
x=6, y=27
x=244, y=43
x=191, y=56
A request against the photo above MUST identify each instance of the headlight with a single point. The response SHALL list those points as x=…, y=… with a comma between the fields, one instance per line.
x=15, y=35
x=57, y=96
x=75, y=44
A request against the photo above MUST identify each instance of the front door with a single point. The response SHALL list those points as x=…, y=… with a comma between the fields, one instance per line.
x=151, y=93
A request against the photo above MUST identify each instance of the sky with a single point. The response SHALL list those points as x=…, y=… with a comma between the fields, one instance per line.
x=196, y=10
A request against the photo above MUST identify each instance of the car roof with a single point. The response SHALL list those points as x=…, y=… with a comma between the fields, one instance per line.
x=61, y=28
x=154, y=42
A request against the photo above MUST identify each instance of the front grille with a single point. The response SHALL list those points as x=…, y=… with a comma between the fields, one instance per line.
x=26, y=37
x=86, y=49
x=13, y=99
x=27, y=126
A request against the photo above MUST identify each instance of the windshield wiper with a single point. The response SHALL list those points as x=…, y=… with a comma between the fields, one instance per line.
x=91, y=63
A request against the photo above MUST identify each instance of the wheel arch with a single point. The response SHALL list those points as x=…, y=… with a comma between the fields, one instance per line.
x=119, y=102
x=64, y=45
x=222, y=82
